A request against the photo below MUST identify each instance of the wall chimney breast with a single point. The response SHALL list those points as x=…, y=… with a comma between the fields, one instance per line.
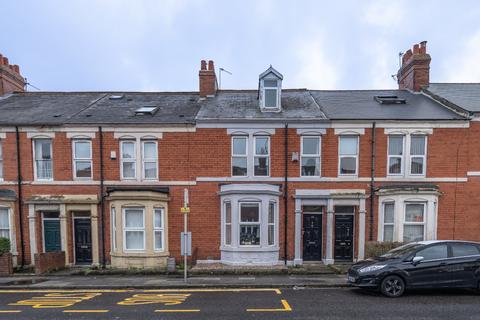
x=414, y=73
x=207, y=79
x=10, y=78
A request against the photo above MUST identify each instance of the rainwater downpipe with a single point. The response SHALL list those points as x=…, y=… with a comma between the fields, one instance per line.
x=20, y=196
x=372, y=181
x=102, y=196
x=285, y=198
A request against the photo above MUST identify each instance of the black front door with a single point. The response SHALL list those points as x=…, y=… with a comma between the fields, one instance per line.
x=344, y=237
x=312, y=237
x=83, y=241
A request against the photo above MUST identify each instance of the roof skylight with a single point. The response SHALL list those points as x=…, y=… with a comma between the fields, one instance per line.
x=390, y=100
x=147, y=110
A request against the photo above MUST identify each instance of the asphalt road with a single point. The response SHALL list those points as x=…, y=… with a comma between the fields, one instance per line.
x=325, y=303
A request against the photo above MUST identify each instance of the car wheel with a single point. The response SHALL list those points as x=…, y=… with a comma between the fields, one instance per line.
x=392, y=286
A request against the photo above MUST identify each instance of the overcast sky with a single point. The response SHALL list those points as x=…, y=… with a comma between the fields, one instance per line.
x=157, y=45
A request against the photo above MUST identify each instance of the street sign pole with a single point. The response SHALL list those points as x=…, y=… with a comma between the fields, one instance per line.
x=185, y=234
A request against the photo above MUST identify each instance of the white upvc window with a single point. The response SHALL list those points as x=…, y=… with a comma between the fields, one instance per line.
x=388, y=221
x=418, y=151
x=128, y=159
x=113, y=222
x=271, y=223
x=5, y=223
x=150, y=160
x=43, y=159
x=310, y=155
x=414, y=222
x=261, y=158
x=1, y=161
x=249, y=226
x=158, y=229
x=348, y=155
x=396, y=152
x=134, y=229
x=228, y=223
x=270, y=93
x=82, y=159
x=239, y=156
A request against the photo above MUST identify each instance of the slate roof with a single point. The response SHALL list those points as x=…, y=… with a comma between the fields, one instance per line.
x=463, y=95
x=360, y=105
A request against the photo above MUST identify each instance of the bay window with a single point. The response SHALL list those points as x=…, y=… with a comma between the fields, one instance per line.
x=43, y=159
x=4, y=223
x=414, y=225
x=113, y=223
x=134, y=228
x=388, y=221
x=228, y=222
x=158, y=228
x=261, y=156
x=271, y=223
x=310, y=156
x=417, y=154
x=239, y=156
x=128, y=159
x=348, y=155
x=82, y=159
x=395, y=154
x=150, y=160
x=249, y=224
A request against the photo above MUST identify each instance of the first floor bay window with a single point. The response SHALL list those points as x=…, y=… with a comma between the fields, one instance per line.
x=414, y=226
x=4, y=223
x=134, y=228
x=249, y=224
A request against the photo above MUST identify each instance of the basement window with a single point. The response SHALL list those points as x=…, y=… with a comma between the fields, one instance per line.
x=147, y=110
x=389, y=100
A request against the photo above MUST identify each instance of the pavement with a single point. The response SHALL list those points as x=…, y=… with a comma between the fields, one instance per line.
x=247, y=303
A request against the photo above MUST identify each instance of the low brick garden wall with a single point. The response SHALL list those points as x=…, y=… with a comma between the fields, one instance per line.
x=49, y=261
x=6, y=264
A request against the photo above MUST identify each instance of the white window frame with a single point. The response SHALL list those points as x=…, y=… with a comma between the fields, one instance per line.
x=134, y=160
x=259, y=223
x=402, y=157
x=159, y=229
x=125, y=229
x=149, y=160
x=271, y=204
x=240, y=155
x=408, y=223
x=75, y=159
x=35, y=168
x=388, y=223
x=1, y=161
x=9, y=229
x=227, y=224
x=276, y=88
x=255, y=155
x=113, y=222
x=319, y=155
x=341, y=156
x=424, y=156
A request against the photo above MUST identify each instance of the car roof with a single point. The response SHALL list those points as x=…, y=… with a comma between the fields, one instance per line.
x=445, y=241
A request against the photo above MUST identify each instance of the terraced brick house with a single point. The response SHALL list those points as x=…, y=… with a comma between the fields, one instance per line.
x=274, y=175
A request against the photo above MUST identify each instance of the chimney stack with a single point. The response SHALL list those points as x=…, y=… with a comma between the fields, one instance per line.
x=208, y=79
x=415, y=70
x=10, y=78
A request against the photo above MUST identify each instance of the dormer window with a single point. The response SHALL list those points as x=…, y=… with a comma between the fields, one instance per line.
x=270, y=88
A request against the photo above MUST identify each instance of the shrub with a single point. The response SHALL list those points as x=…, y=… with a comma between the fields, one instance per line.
x=4, y=246
x=375, y=249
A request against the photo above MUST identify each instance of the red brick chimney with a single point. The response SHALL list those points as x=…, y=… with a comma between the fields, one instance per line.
x=208, y=79
x=10, y=78
x=415, y=70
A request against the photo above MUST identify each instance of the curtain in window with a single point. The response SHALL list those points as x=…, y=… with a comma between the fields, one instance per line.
x=395, y=145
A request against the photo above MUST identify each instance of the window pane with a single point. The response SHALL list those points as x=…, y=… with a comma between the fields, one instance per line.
x=1, y=152
x=348, y=145
x=271, y=213
x=261, y=145
x=134, y=240
x=270, y=83
x=228, y=212
x=4, y=222
x=4, y=233
x=239, y=166
x=134, y=218
x=129, y=169
x=249, y=212
x=414, y=213
x=249, y=235
x=416, y=165
x=412, y=233
x=271, y=235
x=395, y=166
x=417, y=145
x=261, y=166
x=310, y=166
x=388, y=233
x=149, y=150
x=395, y=145
x=239, y=146
x=439, y=251
x=42, y=150
x=128, y=150
x=44, y=169
x=158, y=223
x=348, y=165
x=270, y=98
x=1, y=168
x=311, y=145
x=150, y=170
x=228, y=234
x=84, y=169
x=82, y=150
x=463, y=250
x=158, y=240
x=388, y=212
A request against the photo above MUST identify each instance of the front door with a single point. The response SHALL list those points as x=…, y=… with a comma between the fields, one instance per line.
x=51, y=233
x=83, y=241
x=312, y=237
x=344, y=237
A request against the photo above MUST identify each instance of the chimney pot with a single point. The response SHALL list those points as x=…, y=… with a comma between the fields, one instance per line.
x=11, y=80
x=207, y=79
x=5, y=61
x=210, y=65
x=416, y=49
x=203, y=65
x=16, y=68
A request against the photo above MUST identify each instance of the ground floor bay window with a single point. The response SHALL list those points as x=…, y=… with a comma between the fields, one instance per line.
x=249, y=220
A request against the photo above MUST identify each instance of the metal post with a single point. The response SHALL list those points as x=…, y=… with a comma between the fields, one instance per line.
x=185, y=235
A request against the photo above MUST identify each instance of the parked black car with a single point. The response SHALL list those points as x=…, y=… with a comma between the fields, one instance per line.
x=425, y=264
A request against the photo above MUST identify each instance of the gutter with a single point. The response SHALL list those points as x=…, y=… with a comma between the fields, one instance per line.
x=372, y=180
x=102, y=196
x=20, y=196
x=285, y=198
